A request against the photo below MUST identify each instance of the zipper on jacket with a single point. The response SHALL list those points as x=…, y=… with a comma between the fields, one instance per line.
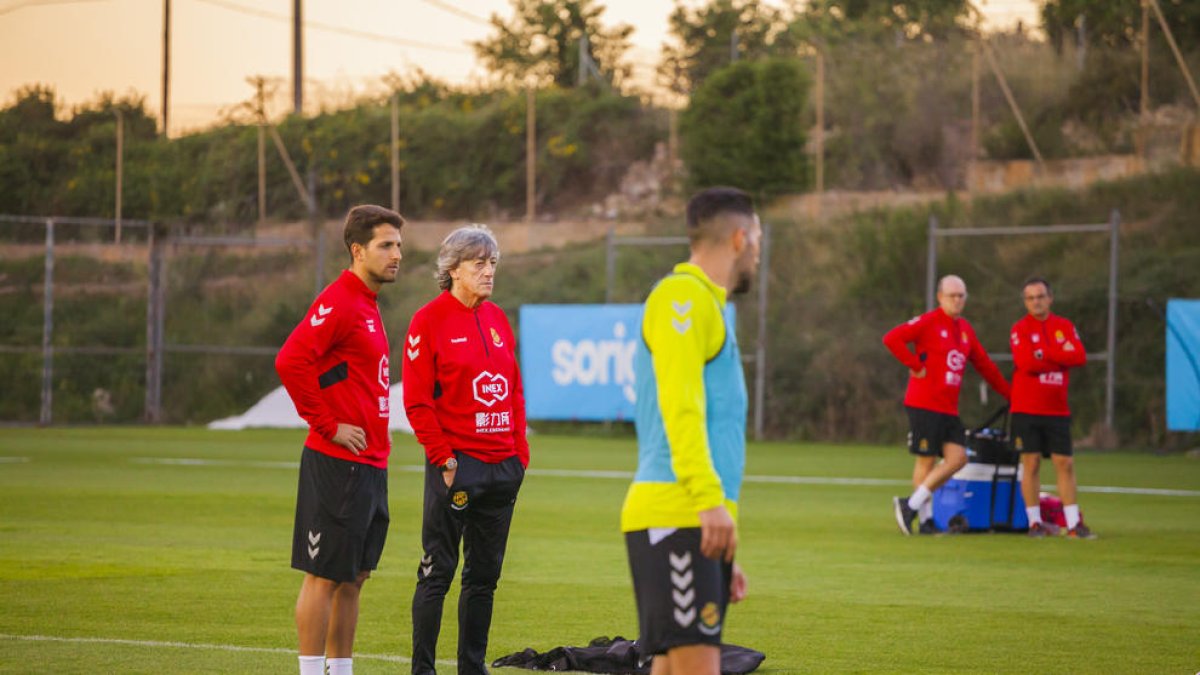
x=481, y=336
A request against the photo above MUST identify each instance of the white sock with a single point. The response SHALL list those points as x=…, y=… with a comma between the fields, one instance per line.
x=926, y=511
x=1034, y=513
x=919, y=497
x=1071, y=511
x=312, y=665
x=341, y=666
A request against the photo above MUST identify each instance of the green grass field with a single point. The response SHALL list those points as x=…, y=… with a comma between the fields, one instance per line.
x=113, y=560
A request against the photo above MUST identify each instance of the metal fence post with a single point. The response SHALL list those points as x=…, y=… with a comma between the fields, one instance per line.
x=610, y=263
x=155, y=309
x=1114, y=224
x=760, y=368
x=48, y=329
x=931, y=263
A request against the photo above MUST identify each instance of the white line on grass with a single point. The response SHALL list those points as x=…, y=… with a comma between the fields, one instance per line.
x=196, y=645
x=13, y=460
x=626, y=475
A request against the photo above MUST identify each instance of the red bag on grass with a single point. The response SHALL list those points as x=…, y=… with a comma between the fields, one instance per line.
x=1052, y=509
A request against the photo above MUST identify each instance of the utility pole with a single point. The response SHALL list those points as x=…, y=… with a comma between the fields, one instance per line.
x=975, y=113
x=120, y=167
x=1012, y=104
x=260, y=113
x=1144, y=101
x=297, y=56
x=1183, y=67
x=1081, y=42
x=166, y=66
x=581, y=75
x=672, y=138
x=396, y=152
x=733, y=45
x=530, y=153
x=820, y=139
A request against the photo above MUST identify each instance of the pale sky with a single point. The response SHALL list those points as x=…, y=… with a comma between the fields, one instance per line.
x=84, y=47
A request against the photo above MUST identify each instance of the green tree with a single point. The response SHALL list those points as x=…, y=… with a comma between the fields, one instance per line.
x=1117, y=24
x=708, y=38
x=743, y=127
x=542, y=41
x=33, y=150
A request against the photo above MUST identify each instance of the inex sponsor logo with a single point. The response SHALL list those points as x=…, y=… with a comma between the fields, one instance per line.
x=490, y=389
x=596, y=362
x=956, y=360
x=385, y=373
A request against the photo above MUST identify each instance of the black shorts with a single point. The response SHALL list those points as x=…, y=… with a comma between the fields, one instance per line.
x=341, y=517
x=928, y=431
x=1047, y=434
x=681, y=595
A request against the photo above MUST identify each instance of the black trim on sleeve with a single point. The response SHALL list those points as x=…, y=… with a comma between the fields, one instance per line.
x=334, y=375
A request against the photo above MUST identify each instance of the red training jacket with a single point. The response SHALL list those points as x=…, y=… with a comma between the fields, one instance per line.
x=1043, y=352
x=334, y=365
x=462, y=386
x=943, y=347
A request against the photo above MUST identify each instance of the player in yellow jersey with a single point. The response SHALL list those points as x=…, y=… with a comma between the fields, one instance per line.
x=679, y=516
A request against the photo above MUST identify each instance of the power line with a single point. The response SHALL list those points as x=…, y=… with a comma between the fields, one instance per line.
x=337, y=29
x=447, y=7
x=37, y=3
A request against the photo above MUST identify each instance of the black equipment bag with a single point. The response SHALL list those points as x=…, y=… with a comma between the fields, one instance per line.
x=989, y=444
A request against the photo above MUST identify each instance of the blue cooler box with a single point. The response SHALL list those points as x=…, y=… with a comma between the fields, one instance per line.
x=969, y=493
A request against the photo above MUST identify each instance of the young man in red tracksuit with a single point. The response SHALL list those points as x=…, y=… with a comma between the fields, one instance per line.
x=944, y=343
x=463, y=396
x=334, y=365
x=1045, y=347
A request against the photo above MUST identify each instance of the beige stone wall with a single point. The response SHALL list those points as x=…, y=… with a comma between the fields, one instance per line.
x=994, y=176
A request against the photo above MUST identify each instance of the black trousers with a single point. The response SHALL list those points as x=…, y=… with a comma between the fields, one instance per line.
x=475, y=511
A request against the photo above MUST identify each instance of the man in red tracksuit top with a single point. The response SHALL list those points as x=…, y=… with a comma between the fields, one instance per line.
x=1045, y=347
x=463, y=396
x=944, y=342
x=334, y=365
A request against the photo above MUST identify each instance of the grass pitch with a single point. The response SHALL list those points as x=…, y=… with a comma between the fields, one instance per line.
x=119, y=555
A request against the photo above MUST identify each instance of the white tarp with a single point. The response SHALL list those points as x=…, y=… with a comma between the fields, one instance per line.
x=276, y=410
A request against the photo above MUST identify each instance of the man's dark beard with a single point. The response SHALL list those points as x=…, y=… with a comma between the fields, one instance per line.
x=380, y=279
x=745, y=279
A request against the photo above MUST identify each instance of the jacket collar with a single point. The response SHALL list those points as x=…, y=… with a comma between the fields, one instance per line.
x=695, y=271
x=351, y=281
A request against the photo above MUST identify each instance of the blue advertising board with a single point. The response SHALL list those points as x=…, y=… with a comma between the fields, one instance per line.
x=577, y=361
x=1183, y=365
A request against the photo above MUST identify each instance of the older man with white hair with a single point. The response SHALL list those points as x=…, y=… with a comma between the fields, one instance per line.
x=944, y=342
x=463, y=396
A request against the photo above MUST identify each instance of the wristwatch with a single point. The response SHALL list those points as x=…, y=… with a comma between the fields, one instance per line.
x=450, y=465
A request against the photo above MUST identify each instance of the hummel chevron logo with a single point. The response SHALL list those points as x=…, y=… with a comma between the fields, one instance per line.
x=684, y=619
x=413, y=354
x=684, y=599
x=414, y=340
x=427, y=565
x=683, y=322
x=323, y=312
x=680, y=562
x=313, y=540
x=681, y=581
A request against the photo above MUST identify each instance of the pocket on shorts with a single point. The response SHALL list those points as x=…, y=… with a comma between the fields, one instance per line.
x=349, y=491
